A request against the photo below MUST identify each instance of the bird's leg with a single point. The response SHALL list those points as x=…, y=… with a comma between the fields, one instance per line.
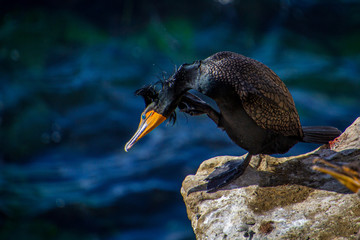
x=193, y=105
x=227, y=173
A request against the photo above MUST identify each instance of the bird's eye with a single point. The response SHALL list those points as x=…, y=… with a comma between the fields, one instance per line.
x=143, y=116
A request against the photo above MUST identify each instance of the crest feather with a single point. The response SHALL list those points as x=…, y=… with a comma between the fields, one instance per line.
x=150, y=94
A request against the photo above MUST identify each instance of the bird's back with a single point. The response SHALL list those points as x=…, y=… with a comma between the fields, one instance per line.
x=264, y=97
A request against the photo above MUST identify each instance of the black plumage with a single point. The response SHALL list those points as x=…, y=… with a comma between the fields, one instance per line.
x=256, y=109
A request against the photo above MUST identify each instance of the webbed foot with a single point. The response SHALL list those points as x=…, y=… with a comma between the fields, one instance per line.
x=223, y=175
x=193, y=105
x=226, y=174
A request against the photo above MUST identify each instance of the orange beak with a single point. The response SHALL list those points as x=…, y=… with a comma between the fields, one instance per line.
x=148, y=122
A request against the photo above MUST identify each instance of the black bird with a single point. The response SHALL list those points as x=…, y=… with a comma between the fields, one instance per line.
x=257, y=111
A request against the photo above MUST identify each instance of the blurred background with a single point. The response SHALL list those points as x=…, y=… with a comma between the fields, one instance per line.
x=68, y=72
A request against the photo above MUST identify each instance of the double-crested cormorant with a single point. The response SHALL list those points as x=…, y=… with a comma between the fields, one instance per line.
x=256, y=109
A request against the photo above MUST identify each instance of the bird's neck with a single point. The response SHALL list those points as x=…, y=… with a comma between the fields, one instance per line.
x=184, y=79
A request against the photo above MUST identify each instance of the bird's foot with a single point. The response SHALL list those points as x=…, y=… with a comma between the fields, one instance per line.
x=193, y=105
x=225, y=174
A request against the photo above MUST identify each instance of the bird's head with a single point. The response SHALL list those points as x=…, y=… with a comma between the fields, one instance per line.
x=159, y=106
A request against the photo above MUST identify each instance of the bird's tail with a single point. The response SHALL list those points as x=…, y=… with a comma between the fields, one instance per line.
x=320, y=134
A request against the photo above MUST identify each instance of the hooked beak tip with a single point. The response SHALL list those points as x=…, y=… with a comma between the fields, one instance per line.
x=146, y=125
x=127, y=146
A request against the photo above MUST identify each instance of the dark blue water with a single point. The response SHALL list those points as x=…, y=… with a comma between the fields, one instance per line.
x=68, y=107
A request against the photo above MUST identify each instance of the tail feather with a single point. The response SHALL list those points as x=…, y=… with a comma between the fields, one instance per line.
x=320, y=134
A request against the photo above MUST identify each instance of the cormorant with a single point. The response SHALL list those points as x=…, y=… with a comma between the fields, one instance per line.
x=256, y=109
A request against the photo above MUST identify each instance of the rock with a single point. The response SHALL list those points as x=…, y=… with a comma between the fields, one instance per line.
x=278, y=198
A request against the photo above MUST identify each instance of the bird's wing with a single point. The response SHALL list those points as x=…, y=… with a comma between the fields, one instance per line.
x=268, y=102
x=264, y=96
x=271, y=112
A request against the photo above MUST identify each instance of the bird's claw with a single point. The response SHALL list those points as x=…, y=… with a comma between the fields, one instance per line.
x=193, y=105
x=191, y=110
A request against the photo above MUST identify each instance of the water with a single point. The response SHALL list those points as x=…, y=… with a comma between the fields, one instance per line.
x=68, y=108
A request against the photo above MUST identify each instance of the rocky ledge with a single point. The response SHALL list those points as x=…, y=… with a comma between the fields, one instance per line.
x=279, y=198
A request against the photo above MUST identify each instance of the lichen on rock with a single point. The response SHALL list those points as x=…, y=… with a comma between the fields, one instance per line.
x=278, y=198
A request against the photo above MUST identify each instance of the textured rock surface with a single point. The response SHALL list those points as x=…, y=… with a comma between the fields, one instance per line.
x=278, y=198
